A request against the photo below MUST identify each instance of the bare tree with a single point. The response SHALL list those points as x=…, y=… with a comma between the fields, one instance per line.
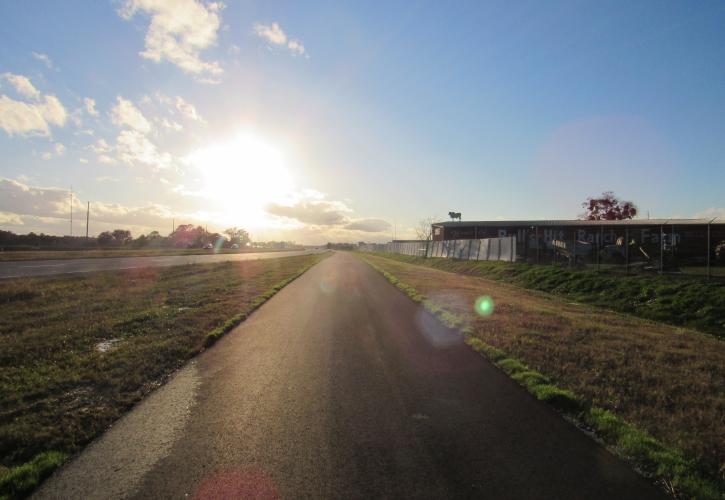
x=424, y=229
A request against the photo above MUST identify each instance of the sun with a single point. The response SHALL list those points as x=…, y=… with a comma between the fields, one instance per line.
x=240, y=177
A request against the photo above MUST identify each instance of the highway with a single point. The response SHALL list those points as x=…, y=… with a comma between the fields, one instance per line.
x=27, y=268
x=341, y=387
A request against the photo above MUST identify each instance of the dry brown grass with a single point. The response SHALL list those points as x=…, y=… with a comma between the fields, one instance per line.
x=666, y=380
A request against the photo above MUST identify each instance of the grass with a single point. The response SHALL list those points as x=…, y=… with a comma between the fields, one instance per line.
x=652, y=392
x=58, y=390
x=12, y=255
x=21, y=480
x=687, y=301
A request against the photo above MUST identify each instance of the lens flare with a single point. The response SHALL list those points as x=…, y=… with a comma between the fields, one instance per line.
x=484, y=305
x=218, y=245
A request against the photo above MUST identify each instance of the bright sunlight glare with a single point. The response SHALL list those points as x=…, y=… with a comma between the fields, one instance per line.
x=243, y=175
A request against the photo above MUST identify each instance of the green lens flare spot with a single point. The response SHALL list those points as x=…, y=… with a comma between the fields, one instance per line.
x=484, y=305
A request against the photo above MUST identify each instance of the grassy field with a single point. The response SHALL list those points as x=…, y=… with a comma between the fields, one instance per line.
x=691, y=302
x=115, y=252
x=653, y=391
x=78, y=351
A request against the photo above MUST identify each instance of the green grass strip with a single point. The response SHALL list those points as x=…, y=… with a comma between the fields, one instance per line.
x=19, y=481
x=679, y=475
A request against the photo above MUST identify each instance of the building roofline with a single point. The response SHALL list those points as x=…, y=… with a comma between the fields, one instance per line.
x=628, y=222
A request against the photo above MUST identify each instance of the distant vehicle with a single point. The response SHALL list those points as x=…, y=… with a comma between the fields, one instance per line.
x=208, y=246
x=235, y=246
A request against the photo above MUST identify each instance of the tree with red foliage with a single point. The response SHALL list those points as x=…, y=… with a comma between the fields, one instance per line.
x=608, y=207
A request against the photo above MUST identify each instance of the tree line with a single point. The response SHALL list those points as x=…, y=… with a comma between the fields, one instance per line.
x=184, y=236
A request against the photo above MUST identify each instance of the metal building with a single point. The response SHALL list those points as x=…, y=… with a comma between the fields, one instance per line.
x=664, y=244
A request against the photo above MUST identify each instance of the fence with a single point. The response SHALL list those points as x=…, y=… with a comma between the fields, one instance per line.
x=681, y=250
x=502, y=249
x=672, y=249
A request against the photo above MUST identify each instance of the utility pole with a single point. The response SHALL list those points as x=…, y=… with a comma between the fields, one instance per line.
x=88, y=213
x=173, y=228
x=71, y=211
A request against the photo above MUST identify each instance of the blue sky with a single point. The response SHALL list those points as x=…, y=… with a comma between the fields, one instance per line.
x=329, y=120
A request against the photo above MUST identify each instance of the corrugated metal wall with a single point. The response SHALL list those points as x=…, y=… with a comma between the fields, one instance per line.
x=503, y=249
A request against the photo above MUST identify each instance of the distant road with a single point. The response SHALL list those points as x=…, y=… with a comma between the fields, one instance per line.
x=340, y=386
x=26, y=268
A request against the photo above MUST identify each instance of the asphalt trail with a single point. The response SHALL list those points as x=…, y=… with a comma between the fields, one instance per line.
x=341, y=387
x=27, y=268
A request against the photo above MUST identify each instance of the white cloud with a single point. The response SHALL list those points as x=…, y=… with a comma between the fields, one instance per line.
x=276, y=36
x=315, y=212
x=313, y=208
x=100, y=146
x=18, y=117
x=178, y=32
x=187, y=109
x=106, y=160
x=132, y=147
x=125, y=113
x=22, y=85
x=43, y=58
x=368, y=225
x=170, y=124
x=90, y=105
x=18, y=198
x=58, y=150
x=76, y=116
x=53, y=111
x=10, y=219
x=315, y=217
x=296, y=47
x=273, y=34
x=83, y=160
x=178, y=104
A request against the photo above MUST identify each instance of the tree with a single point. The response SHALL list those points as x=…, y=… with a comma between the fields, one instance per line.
x=140, y=242
x=122, y=236
x=187, y=236
x=105, y=239
x=608, y=207
x=424, y=229
x=237, y=236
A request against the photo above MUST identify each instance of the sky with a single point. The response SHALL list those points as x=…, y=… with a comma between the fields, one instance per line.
x=353, y=121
